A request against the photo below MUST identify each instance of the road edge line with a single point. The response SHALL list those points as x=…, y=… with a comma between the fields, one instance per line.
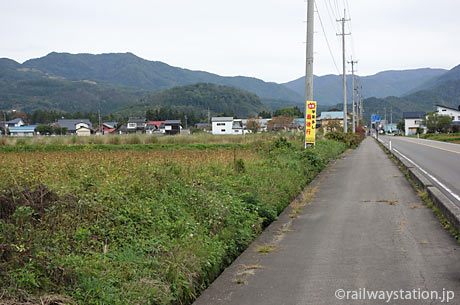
x=447, y=208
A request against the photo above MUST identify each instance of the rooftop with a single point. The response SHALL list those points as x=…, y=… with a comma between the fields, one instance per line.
x=167, y=122
x=30, y=128
x=414, y=115
x=458, y=109
x=331, y=115
x=70, y=124
x=222, y=119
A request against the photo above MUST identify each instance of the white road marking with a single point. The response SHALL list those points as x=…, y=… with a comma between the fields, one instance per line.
x=431, y=176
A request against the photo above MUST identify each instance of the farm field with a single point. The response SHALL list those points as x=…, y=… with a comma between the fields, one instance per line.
x=148, y=225
x=445, y=137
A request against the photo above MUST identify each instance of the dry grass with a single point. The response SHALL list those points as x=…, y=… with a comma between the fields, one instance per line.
x=138, y=139
x=298, y=205
x=266, y=249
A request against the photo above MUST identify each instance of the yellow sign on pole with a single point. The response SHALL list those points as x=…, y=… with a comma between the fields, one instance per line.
x=310, y=123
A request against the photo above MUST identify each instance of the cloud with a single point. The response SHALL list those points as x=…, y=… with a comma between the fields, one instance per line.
x=259, y=38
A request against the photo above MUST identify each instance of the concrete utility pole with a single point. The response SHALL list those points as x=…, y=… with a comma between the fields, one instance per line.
x=386, y=122
x=309, y=60
x=358, y=103
x=345, y=115
x=353, y=93
x=362, y=104
x=391, y=118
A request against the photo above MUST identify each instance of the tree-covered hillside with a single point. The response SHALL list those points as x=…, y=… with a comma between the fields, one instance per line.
x=64, y=95
x=201, y=97
x=129, y=70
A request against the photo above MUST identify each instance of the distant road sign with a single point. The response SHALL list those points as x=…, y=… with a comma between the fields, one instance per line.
x=375, y=118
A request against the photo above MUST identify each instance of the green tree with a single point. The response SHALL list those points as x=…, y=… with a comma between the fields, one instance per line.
x=401, y=126
x=265, y=114
x=59, y=130
x=431, y=122
x=45, y=129
x=437, y=123
x=444, y=123
x=289, y=112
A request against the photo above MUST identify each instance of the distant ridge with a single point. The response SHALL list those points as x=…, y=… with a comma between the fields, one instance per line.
x=127, y=69
x=328, y=88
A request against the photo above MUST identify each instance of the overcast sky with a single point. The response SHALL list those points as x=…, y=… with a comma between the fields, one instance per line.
x=258, y=38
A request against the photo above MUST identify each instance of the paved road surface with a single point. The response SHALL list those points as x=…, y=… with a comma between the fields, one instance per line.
x=349, y=237
x=440, y=160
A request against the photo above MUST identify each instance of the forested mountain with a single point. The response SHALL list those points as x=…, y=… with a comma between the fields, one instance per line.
x=110, y=82
x=28, y=89
x=129, y=70
x=201, y=97
x=328, y=89
x=446, y=92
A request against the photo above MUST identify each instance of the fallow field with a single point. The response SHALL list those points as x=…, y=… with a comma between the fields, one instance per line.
x=140, y=224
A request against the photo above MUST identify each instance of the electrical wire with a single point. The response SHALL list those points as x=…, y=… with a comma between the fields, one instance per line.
x=325, y=37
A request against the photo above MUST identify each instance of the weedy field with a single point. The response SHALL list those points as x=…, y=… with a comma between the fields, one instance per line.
x=445, y=137
x=97, y=225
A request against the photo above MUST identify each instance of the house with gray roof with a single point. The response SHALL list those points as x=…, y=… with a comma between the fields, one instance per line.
x=413, y=122
x=222, y=125
x=75, y=124
x=172, y=127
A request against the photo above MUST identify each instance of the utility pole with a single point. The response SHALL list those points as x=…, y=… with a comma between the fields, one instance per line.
x=362, y=104
x=385, y=128
x=391, y=117
x=309, y=61
x=358, y=104
x=100, y=123
x=345, y=115
x=4, y=122
x=353, y=93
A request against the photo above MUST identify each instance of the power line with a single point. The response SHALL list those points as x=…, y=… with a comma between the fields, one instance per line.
x=327, y=41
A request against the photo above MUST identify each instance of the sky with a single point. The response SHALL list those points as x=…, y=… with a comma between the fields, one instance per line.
x=256, y=38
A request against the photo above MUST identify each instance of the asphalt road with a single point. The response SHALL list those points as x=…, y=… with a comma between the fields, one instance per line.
x=439, y=159
x=365, y=228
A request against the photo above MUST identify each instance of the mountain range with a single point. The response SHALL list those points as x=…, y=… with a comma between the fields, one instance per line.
x=328, y=89
x=115, y=82
x=442, y=90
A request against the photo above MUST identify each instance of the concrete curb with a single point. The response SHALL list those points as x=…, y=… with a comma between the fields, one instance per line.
x=450, y=210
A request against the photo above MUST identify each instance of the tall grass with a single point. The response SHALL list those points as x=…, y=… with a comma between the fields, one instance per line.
x=142, y=227
x=200, y=138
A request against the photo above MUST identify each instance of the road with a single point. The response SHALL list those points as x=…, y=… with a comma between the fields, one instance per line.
x=365, y=228
x=440, y=160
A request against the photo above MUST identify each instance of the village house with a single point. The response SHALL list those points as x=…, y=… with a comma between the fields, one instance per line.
x=136, y=125
x=332, y=117
x=413, y=121
x=79, y=127
x=172, y=127
x=237, y=127
x=262, y=123
x=203, y=126
x=109, y=127
x=23, y=131
x=452, y=112
x=15, y=123
x=153, y=127
x=222, y=125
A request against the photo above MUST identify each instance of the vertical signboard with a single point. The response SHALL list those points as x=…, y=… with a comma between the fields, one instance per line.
x=310, y=123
